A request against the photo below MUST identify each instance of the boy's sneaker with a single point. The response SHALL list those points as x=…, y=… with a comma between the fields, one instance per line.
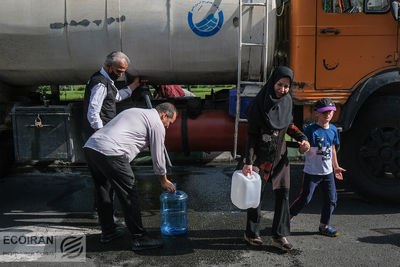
x=282, y=243
x=328, y=231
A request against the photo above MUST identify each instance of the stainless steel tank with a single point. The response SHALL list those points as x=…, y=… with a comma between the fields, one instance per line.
x=168, y=41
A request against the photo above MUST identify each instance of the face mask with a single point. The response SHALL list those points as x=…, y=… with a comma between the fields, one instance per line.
x=113, y=76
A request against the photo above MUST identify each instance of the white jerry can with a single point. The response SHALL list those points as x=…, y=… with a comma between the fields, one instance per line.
x=245, y=190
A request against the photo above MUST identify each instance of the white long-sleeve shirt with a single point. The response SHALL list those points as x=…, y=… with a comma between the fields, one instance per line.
x=97, y=96
x=129, y=133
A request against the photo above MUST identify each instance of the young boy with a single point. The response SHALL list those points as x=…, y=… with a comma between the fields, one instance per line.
x=321, y=166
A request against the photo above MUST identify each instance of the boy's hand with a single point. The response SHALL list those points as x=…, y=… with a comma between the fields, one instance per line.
x=338, y=173
x=304, y=146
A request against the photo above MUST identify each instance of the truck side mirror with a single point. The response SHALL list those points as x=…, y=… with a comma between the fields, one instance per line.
x=395, y=10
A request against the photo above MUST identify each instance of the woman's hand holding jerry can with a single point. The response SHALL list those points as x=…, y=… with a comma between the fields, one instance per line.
x=247, y=169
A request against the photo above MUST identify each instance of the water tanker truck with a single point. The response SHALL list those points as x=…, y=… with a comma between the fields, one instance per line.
x=347, y=50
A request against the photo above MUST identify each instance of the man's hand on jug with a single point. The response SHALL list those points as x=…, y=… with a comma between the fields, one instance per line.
x=166, y=184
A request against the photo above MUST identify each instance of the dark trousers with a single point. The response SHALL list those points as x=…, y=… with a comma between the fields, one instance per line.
x=114, y=172
x=328, y=192
x=280, y=224
x=88, y=131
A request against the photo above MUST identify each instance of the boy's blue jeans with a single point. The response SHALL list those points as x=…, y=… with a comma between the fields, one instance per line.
x=328, y=193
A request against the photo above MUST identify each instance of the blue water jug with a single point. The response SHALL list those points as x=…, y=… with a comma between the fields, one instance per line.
x=174, y=213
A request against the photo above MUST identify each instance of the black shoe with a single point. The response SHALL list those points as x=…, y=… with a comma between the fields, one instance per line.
x=118, y=222
x=146, y=242
x=111, y=235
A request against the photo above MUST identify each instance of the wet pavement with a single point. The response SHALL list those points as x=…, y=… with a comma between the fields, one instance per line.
x=61, y=199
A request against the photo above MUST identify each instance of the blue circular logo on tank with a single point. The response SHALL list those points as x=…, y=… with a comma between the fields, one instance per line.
x=205, y=19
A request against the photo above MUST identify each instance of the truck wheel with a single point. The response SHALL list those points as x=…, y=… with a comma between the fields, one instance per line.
x=371, y=150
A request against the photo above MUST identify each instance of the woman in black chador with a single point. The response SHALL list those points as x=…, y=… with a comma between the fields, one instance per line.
x=269, y=119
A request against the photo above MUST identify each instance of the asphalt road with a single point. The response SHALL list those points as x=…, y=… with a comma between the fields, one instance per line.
x=60, y=200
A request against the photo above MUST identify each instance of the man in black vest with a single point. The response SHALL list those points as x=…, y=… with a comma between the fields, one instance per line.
x=101, y=96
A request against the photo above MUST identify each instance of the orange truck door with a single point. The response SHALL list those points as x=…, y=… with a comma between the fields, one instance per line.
x=352, y=44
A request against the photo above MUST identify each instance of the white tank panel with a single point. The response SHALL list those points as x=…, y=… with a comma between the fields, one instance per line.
x=168, y=41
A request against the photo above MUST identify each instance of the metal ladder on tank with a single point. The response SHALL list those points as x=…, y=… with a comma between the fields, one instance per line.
x=240, y=82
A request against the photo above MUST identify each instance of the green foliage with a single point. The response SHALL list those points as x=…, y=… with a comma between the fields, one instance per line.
x=76, y=92
x=71, y=95
x=72, y=87
x=44, y=89
x=203, y=90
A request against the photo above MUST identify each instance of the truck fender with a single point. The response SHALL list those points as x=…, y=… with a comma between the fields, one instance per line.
x=363, y=91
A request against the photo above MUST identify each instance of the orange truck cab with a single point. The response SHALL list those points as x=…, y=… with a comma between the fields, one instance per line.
x=347, y=50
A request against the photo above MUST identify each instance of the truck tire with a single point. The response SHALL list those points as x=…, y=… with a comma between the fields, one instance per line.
x=371, y=150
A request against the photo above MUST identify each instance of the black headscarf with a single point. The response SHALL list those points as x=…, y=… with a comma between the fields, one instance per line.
x=269, y=111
